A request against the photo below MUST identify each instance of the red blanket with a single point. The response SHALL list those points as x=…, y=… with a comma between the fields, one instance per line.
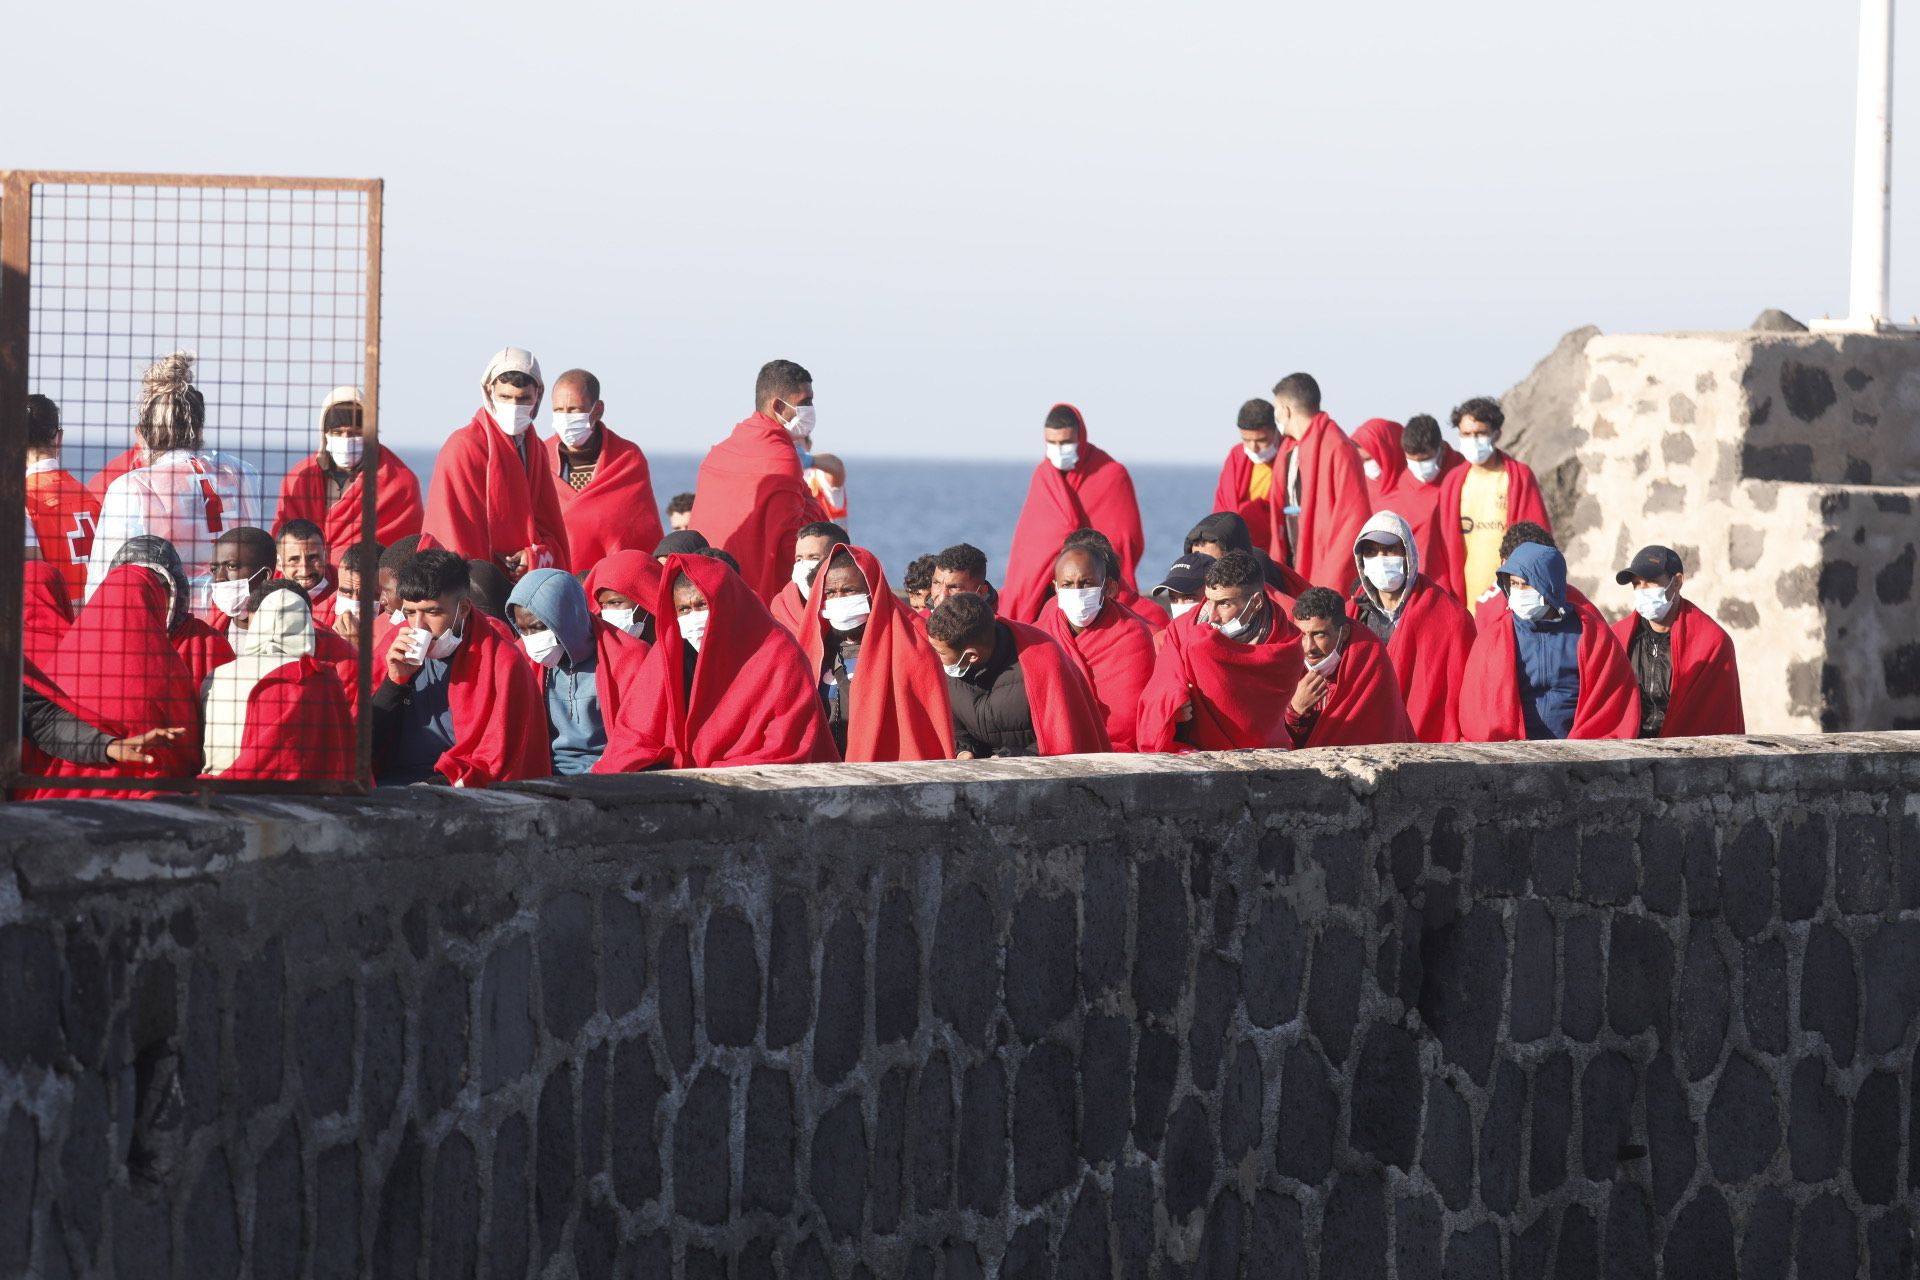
x=1363, y=707
x=1115, y=653
x=298, y=727
x=46, y=612
x=201, y=647
x=1609, y=702
x=616, y=511
x=499, y=712
x=1400, y=491
x=1066, y=718
x=1523, y=503
x=634, y=574
x=1239, y=691
x=789, y=610
x=1096, y=494
x=1142, y=608
x=1333, y=503
x=752, y=699
x=396, y=512
x=898, y=708
x=485, y=503
x=1429, y=650
x=1705, y=696
x=750, y=501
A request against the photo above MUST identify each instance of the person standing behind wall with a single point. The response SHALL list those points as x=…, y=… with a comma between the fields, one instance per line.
x=1478, y=501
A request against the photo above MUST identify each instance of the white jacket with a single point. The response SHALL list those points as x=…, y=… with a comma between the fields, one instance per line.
x=170, y=498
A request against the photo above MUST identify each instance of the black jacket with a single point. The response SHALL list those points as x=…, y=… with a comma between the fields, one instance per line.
x=991, y=714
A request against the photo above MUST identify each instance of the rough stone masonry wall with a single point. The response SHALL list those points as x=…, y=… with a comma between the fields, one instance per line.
x=1782, y=468
x=1557, y=1010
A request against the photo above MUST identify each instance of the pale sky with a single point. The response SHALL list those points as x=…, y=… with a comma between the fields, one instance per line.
x=957, y=215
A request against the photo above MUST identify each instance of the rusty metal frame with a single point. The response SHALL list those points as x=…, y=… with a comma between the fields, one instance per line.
x=16, y=337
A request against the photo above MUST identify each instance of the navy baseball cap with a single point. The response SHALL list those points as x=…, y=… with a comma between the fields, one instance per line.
x=1187, y=577
x=1650, y=563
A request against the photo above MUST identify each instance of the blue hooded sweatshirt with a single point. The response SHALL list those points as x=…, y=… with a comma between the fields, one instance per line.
x=573, y=705
x=1547, y=652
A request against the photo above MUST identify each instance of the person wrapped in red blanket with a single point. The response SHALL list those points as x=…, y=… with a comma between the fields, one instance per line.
x=602, y=479
x=1391, y=487
x=1427, y=634
x=621, y=591
x=202, y=647
x=1316, y=494
x=751, y=499
x=46, y=611
x=1228, y=669
x=1148, y=611
x=1479, y=502
x=1430, y=459
x=810, y=547
x=1682, y=659
x=1549, y=668
x=724, y=684
x=328, y=488
x=277, y=713
x=1078, y=486
x=459, y=702
x=1113, y=647
x=1014, y=692
x=586, y=665
x=1349, y=695
x=880, y=684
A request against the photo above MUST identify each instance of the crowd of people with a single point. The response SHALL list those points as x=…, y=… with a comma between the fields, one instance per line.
x=532, y=616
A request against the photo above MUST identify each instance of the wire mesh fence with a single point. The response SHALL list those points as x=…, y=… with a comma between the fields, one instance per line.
x=188, y=425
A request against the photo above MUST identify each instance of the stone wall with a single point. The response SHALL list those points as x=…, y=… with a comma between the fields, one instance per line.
x=1411, y=1012
x=1784, y=469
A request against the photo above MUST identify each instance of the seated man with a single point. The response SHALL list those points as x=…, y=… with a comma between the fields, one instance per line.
x=1223, y=531
x=810, y=547
x=1014, y=691
x=243, y=558
x=356, y=563
x=201, y=647
x=1184, y=589
x=1112, y=646
x=1427, y=633
x=1348, y=696
x=880, y=683
x=303, y=560
x=1126, y=597
x=725, y=685
x=459, y=703
x=1549, y=668
x=584, y=664
x=917, y=582
x=679, y=512
x=276, y=713
x=392, y=561
x=961, y=570
x=622, y=590
x=1227, y=671
x=1681, y=658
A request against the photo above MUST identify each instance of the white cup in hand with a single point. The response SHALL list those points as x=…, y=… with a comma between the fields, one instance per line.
x=417, y=641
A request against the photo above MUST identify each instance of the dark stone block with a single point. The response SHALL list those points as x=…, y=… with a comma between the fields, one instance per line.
x=1807, y=390
x=1607, y=873
x=1406, y=858
x=1892, y=966
x=29, y=997
x=1913, y=1121
x=1790, y=462
x=1085, y=1252
x=789, y=972
x=1705, y=1003
x=1501, y=860
x=1534, y=976
x=336, y=1201
x=767, y=1165
x=1216, y=990
x=506, y=1014
x=1670, y=1134
x=1816, y=1123
x=1743, y=1121
x=966, y=973
x=86, y=998
x=1446, y=1149
x=1583, y=980
x=841, y=1031
x=1876, y=1138
x=1275, y=952
x=1828, y=1246
x=757, y=1262
x=1474, y=1254
x=470, y=913
x=1606, y=1114
x=1354, y=1227
x=1500, y=1138
x=888, y=1193
x=1133, y=1220
x=1103, y=920
x=1862, y=864
x=650, y=1255
x=1664, y=848
x=210, y=1227
x=397, y=1232
x=1220, y=1243
x=839, y=1167
x=809, y=1262
x=1278, y=1240
x=1043, y=1150
x=896, y=971
x=1187, y=1168
x=1829, y=994
x=1342, y=860
x=1040, y=959
x=1552, y=1124
x=1386, y=1096
x=1746, y=880
x=593, y=1111
x=1839, y=582
x=1900, y=668
x=1106, y=1093
x=1629, y=1232
x=1277, y=855
x=279, y=1209
x=443, y=1039
x=84, y=1163
x=414, y=927
x=1333, y=998
x=1310, y=1115
x=1889, y=1247
x=455, y=1251
x=1639, y=977
x=1163, y=937
x=555, y=1159
x=702, y=1164
x=1446, y=847
x=675, y=967
x=142, y=1237
x=596, y=1240
x=703, y=1265
x=983, y=1138
x=1699, y=859
x=1803, y=867
x=383, y=1054
x=637, y=1090
x=1766, y=1246
x=1765, y=968
x=568, y=997
x=259, y=997
x=623, y=953
x=1027, y=1257
x=1578, y=1248
x=1156, y=1062
x=200, y=1039
x=930, y=1137
x=1241, y=1101
x=732, y=972
x=1463, y=968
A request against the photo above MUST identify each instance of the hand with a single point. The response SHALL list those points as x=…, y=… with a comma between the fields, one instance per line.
x=347, y=627
x=1184, y=714
x=515, y=564
x=401, y=668
x=963, y=755
x=1307, y=695
x=136, y=750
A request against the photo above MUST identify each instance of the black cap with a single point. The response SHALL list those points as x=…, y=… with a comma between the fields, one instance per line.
x=1187, y=576
x=1650, y=563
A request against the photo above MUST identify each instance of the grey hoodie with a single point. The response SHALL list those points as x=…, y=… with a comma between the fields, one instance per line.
x=1390, y=525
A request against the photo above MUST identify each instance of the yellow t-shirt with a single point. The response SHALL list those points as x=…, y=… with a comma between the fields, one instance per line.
x=1260, y=484
x=1483, y=522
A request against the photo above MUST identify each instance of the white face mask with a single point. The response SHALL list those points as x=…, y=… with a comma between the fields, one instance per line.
x=1240, y=624
x=349, y=605
x=543, y=647
x=318, y=589
x=957, y=669
x=1389, y=573
x=1064, y=456
x=1476, y=449
x=624, y=619
x=693, y=627
x=575, y=428
x=514, y=419
x=1267, y=454
x=1372, y=469
x=800, y=425
x=1652, y=603
x=1326, y=666
x=803, y=577
x=1081, y=605
x=230, y=597
x=1425, y=470
x=1184, y=607
x=845, y=613
x=345, y=450
x=1526, y=603
x=397, y=617
x=441, y=647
